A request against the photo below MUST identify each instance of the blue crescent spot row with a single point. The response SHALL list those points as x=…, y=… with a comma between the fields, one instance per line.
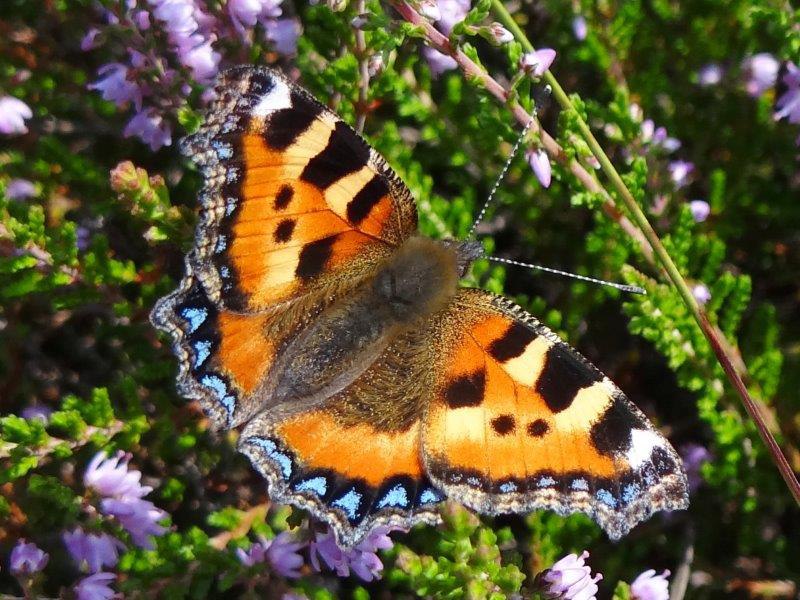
x=199, y=316
x=616, y=493
x=354, y=498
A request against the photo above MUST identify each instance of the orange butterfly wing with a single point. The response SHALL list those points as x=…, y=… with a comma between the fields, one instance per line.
x=520, y=421
x=356, y=460
x=296, y=210
x=294, y=199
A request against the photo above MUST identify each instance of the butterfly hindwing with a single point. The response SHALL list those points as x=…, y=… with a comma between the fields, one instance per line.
x=223, y=355
x=355, y=461
x=294, y=199
x=520, y=421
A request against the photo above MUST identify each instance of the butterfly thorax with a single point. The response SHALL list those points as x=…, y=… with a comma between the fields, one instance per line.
x=416, y=281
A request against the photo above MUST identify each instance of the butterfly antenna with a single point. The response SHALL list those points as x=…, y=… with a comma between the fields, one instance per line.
x=634, y=289
x=502, y=174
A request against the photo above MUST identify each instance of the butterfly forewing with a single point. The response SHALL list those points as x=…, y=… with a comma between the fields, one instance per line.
x=294, y=199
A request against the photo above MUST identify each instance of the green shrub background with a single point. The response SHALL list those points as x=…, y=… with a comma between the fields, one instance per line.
x=75, y=336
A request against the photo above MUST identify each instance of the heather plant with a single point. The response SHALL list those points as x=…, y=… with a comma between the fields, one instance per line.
x=682, y=116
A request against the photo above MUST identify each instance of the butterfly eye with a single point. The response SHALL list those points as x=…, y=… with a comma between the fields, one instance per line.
x=395, y=296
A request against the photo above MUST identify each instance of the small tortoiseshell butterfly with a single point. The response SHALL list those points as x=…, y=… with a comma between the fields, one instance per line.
x=370, y=385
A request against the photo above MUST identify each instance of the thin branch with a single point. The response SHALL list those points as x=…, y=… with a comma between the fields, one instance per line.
x=51, y=444
x=252, y=515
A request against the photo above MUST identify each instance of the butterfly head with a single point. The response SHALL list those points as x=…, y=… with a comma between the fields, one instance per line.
x=423, y=275
x=467, y=252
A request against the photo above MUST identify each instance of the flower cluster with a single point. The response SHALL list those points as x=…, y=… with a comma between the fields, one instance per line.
x=445, y=14
x=168, y=49
x=281, y=552
x=362, y=559
x=761, y=73
x=788, y=105
x=649, y=586
x=92, y=552
x=694, y=455
x=27, y=559
x=569, y=578
x=122, y=497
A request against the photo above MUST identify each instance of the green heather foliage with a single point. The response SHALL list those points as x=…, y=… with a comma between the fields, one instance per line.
x=103, y=234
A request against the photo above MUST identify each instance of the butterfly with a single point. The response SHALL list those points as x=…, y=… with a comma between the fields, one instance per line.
x=369, y=385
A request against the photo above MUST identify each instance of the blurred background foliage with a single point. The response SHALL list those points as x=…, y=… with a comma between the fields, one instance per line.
x=101, y=235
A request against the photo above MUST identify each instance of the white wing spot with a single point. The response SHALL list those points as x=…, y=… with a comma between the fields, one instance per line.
x=642, y=444
x=276, y=99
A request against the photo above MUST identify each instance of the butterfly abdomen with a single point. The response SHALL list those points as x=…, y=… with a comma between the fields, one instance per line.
x=420, y=279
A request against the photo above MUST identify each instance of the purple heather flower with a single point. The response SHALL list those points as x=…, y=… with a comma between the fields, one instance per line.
x=142, y=19
x=362, y=559
x=115, y=86
x=570, y=578
x=37, y=411
x=256, y=553
x=245, y=13
x=761, y=72
x=451, y=12
x=540, y=164
x=710, y=74
x=283, y=34
x=694, y=455
x=324, y=546
x=657, y=136
x=95, y=587
x=701, y=293
x=281, y=552
x=579, y=28
x=83, y=236
x=500, y=34
x=283, y=556
x=196, y=53
x=150, y=127
x=89, y=40
x=27, y=559
x=123, y=495
x=20, y=189
x=13, y=113
x=178, y=16
x=447, y=13
x=110, y=477
x=139, y=518
x=438, y=62
x=679, y=171
x=92, y=552
x=536, y=63
x=788, y=104
x=700, y=210
x=649, y=586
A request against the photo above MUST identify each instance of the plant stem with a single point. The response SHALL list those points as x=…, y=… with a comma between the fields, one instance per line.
x=675, y=277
